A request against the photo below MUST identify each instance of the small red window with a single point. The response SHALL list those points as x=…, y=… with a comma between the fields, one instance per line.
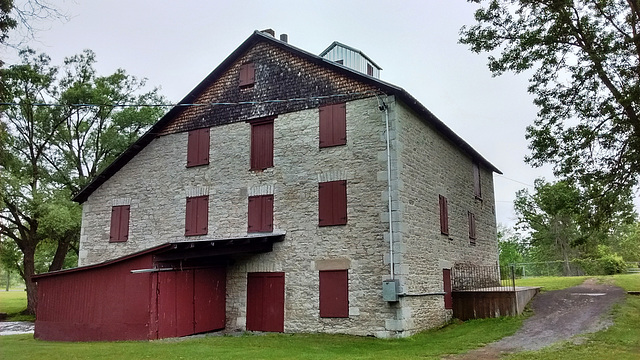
x=260, y=213
x=477, y=189
x=247, y=76
x=332, y=203
x=198, y=147
x=197, y=216
x=119, y=223
x=334, y=293
x=333, y=125
x=444, y=215
x=261, y=144
x=472, y=228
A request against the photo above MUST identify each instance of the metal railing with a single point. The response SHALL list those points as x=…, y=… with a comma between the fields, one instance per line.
x=465, y=277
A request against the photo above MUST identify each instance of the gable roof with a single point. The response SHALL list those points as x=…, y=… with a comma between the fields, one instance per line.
x=255, y=38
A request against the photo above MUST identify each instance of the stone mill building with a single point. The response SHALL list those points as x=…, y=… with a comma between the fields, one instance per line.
x=287, y=192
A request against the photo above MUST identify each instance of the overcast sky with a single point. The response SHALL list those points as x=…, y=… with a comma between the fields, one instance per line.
x=175, y=44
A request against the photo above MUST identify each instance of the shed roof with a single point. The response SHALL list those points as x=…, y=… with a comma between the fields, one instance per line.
x=255, y=38
x=184, y=250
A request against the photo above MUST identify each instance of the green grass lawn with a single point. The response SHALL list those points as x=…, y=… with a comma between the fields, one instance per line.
x=621, y=341
x=452, y=339
x=12, y=303
x=550, y=283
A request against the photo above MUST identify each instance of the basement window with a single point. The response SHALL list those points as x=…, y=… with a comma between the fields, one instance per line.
x=334, y=294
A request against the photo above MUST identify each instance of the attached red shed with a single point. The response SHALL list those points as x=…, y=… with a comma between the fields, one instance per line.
x=113, y=301
x=170, y=290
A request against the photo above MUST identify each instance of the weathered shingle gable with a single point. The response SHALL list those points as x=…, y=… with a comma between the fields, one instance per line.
x=279, y=75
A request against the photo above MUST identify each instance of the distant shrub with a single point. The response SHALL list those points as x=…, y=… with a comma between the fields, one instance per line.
x=613, y=264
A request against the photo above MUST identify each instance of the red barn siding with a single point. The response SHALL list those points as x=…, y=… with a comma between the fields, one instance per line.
x=88, y=305
x=107, y=302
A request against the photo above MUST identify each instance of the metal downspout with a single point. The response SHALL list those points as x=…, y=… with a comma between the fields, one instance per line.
x=386, y=120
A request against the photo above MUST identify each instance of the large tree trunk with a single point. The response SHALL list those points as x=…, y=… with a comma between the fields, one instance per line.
x=29, y=270
x=61, y=253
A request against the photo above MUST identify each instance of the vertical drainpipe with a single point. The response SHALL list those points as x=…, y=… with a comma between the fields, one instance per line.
x=385, y=108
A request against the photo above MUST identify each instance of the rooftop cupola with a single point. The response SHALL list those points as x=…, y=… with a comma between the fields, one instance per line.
x=351, y=58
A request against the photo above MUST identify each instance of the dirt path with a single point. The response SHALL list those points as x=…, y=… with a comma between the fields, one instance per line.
x=558, y=315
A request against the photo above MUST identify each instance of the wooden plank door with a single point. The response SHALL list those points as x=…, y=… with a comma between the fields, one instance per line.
x=265, y=302
x=446, y=279
x=209, y=299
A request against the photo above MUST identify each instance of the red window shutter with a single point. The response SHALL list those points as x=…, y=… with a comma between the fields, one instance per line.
x=190, y=218
x=267, y=213
x=325, y=126
x=332, y=203
x=334, y=293
x=247, y=76
x=472, y=228
x=325, y=204
x=198, y=147
x=254, y=214
x=444, y=215
x=119, y=230
x=197, y=216
x=202, y=219
x=262, y=145
x=477, y=188
x=446, y=279
x=340, y=202
x=340, y=124
x=333, y=125
x=260, y=213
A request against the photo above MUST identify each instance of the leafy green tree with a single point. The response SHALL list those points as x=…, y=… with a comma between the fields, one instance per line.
x=6, y=21
x=50, y=152
x=559, y=220
x=512, y=249
x=584, y=61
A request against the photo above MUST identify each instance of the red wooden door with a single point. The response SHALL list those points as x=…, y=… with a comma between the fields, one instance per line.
x=175, y=303
x=209, y=299
x=265, y=301
x=446, y=279
x=191, y=301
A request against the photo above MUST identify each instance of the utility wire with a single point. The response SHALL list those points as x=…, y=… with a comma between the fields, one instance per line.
x=514, y=180
x=310, y=98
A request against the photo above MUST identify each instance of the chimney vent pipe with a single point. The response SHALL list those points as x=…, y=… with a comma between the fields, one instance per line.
x=284, y=38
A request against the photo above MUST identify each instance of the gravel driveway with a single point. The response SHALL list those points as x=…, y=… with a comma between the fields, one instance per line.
x=558, y=315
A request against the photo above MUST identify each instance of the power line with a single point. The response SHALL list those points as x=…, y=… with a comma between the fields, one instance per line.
x=274, y=101
x=514, y=180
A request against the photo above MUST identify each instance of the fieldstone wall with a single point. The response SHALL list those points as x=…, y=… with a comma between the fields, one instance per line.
x=156, y=183
x=428, y=166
